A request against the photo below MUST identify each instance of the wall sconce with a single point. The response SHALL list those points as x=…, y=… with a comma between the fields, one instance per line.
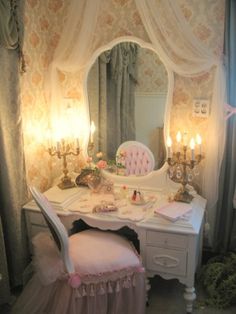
x=180, y=164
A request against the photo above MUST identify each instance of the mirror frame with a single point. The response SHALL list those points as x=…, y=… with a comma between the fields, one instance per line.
x=168, y=105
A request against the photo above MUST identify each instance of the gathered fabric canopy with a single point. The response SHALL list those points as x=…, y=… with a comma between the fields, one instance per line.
x=177, y=47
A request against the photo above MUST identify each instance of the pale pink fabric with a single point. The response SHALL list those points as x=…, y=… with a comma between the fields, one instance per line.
x=60, y=298
x=108, y=278
x=101, y=252
x=47, y=261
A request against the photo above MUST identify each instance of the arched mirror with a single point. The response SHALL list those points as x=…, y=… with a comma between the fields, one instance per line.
x=127, y=87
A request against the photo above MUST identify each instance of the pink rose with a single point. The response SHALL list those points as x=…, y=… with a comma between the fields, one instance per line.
x=101, y=164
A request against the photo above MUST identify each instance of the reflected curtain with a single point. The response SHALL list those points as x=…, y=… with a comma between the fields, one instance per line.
x=225, y=237
x=13, y=190
x=115, y=77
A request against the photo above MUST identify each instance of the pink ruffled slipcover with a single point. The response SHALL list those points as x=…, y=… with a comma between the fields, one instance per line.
x=108, y=278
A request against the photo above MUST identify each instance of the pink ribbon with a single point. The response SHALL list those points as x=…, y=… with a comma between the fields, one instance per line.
x=229, y=111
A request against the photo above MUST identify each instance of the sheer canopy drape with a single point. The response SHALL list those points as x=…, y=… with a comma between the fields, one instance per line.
x=183, y=53
x=72, y=54
x=177, y=47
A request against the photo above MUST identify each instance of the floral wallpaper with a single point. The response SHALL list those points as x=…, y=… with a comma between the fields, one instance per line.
x=151, y=73
x=43, y=25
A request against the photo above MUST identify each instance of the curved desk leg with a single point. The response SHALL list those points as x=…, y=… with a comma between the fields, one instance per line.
x=189, y=296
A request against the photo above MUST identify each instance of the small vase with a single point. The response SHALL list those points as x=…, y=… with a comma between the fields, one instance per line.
x=94, y=182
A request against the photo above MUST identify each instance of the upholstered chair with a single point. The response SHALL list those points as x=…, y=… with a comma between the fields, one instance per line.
x=90, y=272
x=135, y=157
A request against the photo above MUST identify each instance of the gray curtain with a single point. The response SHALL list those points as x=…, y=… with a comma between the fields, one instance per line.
x=13, y=189
x=8, y=26
x=115, y=116
x=225, y=237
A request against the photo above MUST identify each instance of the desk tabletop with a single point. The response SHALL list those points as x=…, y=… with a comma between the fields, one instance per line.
x=66, y=202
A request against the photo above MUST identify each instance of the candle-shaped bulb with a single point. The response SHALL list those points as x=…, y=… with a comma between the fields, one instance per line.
x=169, y=144
x=92, y=130
x=169, y=141
x=178, y=137
x=198, y=139
x=58, y=140
x=192, y=143
x=199, y=142
x=192, y=146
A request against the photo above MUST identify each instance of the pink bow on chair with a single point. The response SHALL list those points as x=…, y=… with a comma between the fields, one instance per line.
x=230, y=111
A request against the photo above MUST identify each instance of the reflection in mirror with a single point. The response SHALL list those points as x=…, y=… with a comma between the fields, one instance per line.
x=127, y=89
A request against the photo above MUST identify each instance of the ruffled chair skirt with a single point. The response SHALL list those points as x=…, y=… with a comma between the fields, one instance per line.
x=118, y=297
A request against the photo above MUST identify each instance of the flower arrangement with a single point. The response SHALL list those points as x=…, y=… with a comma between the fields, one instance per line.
x=93, y=167
x=92, y=170
x=120, y=159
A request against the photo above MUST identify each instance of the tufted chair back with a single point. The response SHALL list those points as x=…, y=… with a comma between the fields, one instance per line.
x=136, y=157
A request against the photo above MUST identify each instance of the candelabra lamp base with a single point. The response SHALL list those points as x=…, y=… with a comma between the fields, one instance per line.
x=183, y=196
x=66, y=183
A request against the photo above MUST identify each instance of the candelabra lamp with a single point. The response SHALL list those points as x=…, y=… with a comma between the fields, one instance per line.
x=62, y=150
x=180, y=165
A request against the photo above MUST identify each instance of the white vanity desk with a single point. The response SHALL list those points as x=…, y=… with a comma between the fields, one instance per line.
x=168, y=249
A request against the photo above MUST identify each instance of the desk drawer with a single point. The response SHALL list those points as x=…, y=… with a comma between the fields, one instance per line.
x=37, y=219
x=167, y=239
x=166, y=261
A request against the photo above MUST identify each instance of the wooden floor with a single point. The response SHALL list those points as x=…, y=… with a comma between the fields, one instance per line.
x=166, y=297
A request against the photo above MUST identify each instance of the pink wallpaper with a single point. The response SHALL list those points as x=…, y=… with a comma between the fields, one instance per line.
x=43, y=24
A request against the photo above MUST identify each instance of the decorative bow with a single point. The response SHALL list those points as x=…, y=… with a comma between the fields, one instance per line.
x=229, y=111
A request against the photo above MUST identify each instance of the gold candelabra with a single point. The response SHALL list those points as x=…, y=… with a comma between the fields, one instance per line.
x=179, y=164
x=62, y=150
